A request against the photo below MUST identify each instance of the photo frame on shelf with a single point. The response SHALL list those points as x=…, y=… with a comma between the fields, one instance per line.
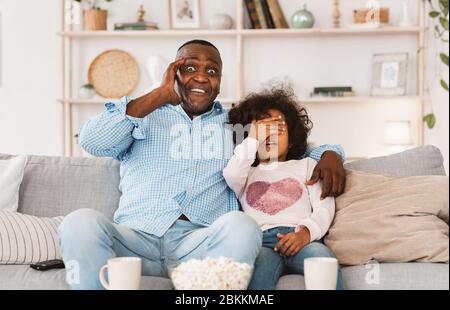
x=389, y=74
x=184, y=14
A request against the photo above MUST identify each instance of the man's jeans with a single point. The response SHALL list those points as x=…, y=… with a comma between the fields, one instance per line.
x=88, y=239
x=270, y=266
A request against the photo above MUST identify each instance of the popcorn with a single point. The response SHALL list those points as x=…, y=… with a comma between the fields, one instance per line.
x=221, y=273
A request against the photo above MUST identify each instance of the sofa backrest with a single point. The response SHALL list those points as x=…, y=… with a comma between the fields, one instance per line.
x=54, y=186
x=423, y=160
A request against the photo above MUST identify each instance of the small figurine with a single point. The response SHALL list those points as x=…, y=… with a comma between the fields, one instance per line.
x=336, y=14
x=141, y=14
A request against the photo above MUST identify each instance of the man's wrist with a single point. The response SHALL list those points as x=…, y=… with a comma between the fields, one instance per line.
x=142, y=106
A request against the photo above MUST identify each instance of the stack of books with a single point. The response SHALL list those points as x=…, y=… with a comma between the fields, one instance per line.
x=337, y=91
x=264, y=14
x=136, y=26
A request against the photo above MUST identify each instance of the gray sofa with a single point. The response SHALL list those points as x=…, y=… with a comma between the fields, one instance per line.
x=55, y=186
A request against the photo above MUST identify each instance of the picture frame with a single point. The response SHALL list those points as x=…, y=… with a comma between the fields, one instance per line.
x=184, y=14
x=389, y=74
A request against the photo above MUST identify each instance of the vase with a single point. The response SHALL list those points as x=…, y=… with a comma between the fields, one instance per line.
x=406, y=19
x=86, y=91
x=303, y=19
x=156, y=67
x=94, y=19
x=221, y=21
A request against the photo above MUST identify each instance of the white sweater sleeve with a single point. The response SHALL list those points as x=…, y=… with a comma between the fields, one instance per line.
x=236, y=172
x=323, y=210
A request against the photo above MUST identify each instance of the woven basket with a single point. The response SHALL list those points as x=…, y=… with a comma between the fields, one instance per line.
x=114, y=74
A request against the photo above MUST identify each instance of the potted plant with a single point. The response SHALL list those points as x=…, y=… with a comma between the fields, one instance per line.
x=439, y=15
x=94, y=17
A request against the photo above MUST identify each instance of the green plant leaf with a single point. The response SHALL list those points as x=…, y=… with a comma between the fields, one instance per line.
x=443, y=5
x=444, y=58
x=438, y=31
x=444, y=85
x=434, y=14
x=445, y=12
x=430, y=120
x=444, y=23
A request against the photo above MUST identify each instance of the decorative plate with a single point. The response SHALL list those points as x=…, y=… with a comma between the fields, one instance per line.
x=114, y=74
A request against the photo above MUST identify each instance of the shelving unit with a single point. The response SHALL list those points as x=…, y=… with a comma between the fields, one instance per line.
x=243, y=32
x=68, y=36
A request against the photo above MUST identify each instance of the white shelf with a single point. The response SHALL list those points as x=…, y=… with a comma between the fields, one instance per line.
x=98, y=101
x=357, y=99
x=147, y=33
x=330, y=32
x=244, y=32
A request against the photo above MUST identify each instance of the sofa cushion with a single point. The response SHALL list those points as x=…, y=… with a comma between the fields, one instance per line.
x=423, y=160
x=406, y=276
x=397, y=276
x=413, y=276
x=54, y=186
x=22, y=277
x=391, y=219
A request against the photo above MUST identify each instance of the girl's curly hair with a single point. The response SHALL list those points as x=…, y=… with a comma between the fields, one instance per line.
x=256, y=105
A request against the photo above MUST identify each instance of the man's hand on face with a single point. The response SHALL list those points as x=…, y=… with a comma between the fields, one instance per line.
x=330, y=170
x=168, y=85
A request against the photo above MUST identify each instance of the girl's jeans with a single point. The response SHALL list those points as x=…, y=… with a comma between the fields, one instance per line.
x=270, y=266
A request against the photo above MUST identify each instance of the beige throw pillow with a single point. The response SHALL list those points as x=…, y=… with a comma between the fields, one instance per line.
x=391, y=219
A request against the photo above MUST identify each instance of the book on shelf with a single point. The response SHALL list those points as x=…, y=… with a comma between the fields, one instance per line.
x=251, y=8
x=248, y=23
x=260, y=12
x=136, y=26
x=277, y=14
x=338, y=91
x=336, y=94
x=332, y=88
x=267, y=14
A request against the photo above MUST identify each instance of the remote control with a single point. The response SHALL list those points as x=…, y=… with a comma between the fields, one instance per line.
x=49, y=264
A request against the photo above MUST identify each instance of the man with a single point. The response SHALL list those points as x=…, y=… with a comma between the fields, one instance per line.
x=175, y=205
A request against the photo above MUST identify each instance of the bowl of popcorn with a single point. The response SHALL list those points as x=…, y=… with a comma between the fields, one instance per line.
x=221, y=273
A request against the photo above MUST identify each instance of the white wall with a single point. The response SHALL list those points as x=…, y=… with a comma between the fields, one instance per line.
x=30, y=116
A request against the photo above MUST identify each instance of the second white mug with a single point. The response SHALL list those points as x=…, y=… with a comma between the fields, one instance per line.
x=321, y=273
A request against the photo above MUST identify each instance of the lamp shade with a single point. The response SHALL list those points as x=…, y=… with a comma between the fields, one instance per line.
x=398, y=133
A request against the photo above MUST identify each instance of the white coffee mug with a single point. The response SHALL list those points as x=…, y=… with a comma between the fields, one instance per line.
x=321, y=273
x=124, y=273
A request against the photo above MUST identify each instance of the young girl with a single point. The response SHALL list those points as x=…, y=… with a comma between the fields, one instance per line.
x=268, y=177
